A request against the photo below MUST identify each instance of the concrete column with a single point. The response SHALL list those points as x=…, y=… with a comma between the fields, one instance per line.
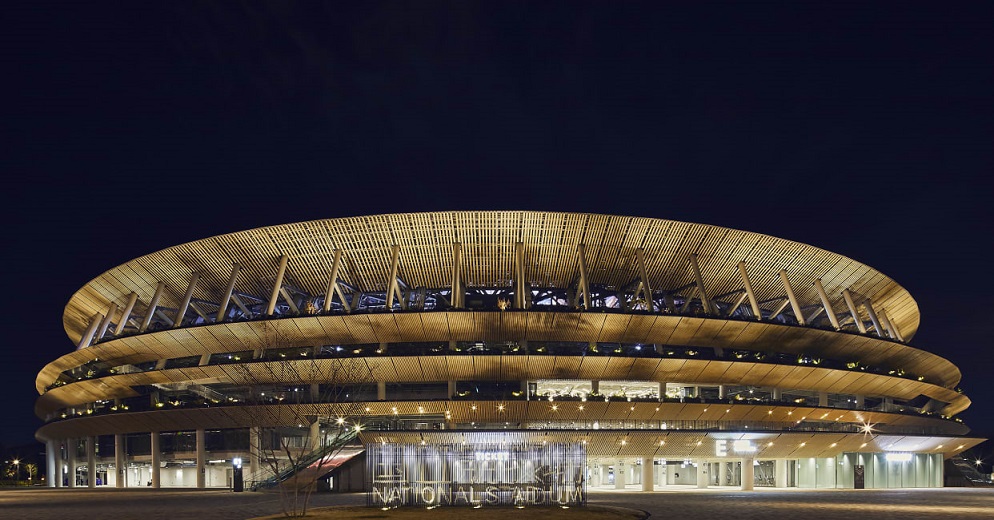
x=452, y=388
x=777, y=394
x=281, y=271
x=50, y=447
x=603, y=476
x=119, y=460
x=59, y=464
x=748, y=474
x=662, y=391
x=201, y=459
x=619, y=474
x=822, y=398
x=255, y=461
x=595, y=387
x=860, y=402
x=91, y=462
x=722, y=473
x=381, y=391
x=315, y=392
x=702, y=474
x=721, y=391
x=647, y=473
x=315, y=435
x=72, y=446
x=156, y=460
x=780, y=473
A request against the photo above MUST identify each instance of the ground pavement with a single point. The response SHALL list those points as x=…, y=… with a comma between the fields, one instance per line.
x=691, y=504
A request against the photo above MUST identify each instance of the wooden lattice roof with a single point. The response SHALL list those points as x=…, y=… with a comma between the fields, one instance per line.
x=488, y=241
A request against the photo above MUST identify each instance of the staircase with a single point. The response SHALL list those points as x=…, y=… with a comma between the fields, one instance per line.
x=315, y=464
x=962, y=473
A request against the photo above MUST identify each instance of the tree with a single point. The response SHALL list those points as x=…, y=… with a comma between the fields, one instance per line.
x=303, y=430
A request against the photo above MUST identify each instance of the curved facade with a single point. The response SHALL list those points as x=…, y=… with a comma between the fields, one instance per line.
x=671, y=353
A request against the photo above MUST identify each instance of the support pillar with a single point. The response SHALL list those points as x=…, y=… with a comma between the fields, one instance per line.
x=381, y=391
x=780, y=473
x=50, y=447
x=201, y=459
x=595, y=387
x=119, y=461
x=777, y=394
x=91, y=462
x=723, y=473
x=847, y=296
x=156, y=460
x=647, y=473
x=619, y=474
x=59, y=464
x=860, y=402
x=315, y=392
x=255, y=449
x=452, y=388
x=662, y=391
x=603, y=474
x=795, y=305
x=72, y=446
x=280, y=273
x=315, y=435
x=753, y=302
x=829, y=311
x=822, y=398
x=868, y=305
x=721, y=391
x=748, y=474
x=702, y=474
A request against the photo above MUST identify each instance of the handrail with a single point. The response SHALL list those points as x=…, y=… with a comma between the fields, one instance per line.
x=340, y=441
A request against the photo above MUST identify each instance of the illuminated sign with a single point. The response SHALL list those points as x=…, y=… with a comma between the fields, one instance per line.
x=739, y=446
x=475, y=475
x=484, y=456
x=898, y=457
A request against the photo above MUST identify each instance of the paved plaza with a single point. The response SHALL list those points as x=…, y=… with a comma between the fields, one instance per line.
x=691, y=504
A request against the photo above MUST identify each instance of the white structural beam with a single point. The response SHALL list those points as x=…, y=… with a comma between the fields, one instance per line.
x=895, y=332
x=186, y=300
x=847, y=296
x=783, y=305
x=126, y=313
x=868, y=304
x=584, y=286
x=826, y=304
x=458, y=293
x=222, y=311
x=105, y=323
x=289, y=300
x=393, y=288
x=753, y=302
x=792, y=298
x=152, y=305
x=275, y=294
x=705, y=301
x=644, y=286
x=738, y=303
x=519, y=276
x=87, y=337
x=200, y=312
x=333, y=285
x=886, y=323
x=241, y=306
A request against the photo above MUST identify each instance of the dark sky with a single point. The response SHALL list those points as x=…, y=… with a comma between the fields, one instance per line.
x=862, y=129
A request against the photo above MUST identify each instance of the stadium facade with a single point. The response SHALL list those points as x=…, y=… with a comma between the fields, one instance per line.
x=640, y=353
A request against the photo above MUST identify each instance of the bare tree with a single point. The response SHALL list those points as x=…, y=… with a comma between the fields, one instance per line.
x=304, y=429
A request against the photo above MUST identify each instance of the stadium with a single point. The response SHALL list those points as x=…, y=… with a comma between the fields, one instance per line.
x=533, y=355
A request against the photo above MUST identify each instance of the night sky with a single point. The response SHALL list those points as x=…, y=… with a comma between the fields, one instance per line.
x=867, y=130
